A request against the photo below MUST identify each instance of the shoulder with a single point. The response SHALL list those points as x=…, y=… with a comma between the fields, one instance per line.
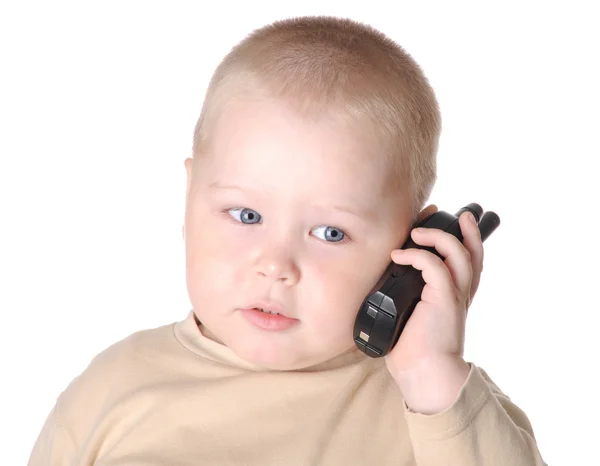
x=118, y=369
x=110, y=377
x=131, y=350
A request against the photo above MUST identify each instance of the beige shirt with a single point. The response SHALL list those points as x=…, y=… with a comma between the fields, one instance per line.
x=173, y=396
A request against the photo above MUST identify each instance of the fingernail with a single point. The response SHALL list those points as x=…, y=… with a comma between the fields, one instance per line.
x=472, y=218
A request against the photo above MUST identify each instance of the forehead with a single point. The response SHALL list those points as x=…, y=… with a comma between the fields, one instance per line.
x=266, y=145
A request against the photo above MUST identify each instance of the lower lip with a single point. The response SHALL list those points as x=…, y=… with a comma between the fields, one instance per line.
x=267, y=321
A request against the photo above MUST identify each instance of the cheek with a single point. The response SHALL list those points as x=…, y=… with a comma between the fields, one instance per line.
x=336, y=290
x=211, y=252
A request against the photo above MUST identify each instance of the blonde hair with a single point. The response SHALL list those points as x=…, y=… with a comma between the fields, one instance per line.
x=328, y=65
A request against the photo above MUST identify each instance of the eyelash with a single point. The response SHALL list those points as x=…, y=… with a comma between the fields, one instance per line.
x=343, y=241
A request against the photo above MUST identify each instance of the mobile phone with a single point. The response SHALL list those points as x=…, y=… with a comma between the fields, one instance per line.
x=385, y=312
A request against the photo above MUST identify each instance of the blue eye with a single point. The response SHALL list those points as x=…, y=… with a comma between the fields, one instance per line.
x=252, y=216
x=332, y=233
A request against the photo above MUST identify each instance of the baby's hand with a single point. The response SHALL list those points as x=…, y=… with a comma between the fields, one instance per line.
x=427, y=362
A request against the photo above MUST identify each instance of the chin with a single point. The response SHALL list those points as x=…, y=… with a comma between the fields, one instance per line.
x=271, y=358
x=281, y=359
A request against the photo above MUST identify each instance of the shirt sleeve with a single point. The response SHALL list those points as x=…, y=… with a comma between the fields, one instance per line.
x=54, y=445
x=482, y=427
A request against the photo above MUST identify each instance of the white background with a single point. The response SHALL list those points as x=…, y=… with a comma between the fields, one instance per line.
x=97, y=107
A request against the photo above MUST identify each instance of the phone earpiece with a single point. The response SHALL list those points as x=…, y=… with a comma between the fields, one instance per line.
x=384, y=313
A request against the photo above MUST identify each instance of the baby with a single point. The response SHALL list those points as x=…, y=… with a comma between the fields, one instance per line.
x=313, y=158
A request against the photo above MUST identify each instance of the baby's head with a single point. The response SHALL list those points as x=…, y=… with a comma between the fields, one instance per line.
x=314, y=154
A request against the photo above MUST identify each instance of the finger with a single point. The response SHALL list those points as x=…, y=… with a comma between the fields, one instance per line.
x=456, y=256
x=473, y=244
x=435, y=273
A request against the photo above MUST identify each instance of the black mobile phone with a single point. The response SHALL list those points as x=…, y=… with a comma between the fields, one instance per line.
x=385, y=312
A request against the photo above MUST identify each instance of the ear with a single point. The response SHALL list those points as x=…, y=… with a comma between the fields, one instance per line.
x=188, y=163
x=426, y=212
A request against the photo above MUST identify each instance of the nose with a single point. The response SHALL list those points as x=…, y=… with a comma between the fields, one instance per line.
x=277, y=264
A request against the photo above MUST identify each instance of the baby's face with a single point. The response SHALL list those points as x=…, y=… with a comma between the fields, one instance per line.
x=292, y=212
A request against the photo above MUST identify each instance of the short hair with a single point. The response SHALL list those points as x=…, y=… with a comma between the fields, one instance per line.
x=338, y=66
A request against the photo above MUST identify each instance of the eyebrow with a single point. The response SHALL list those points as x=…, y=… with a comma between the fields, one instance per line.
x=361, y=213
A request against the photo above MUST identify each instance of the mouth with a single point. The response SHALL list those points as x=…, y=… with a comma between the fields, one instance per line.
x=266, y=311
x=267, y=307
x=268, y=319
